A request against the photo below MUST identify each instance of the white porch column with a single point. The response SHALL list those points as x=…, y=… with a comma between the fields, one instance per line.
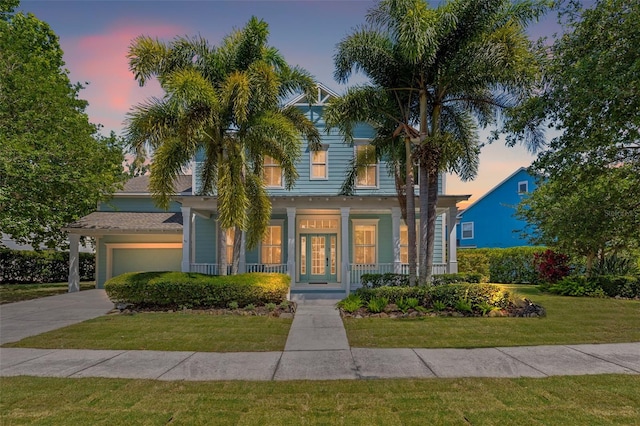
x=344, y=238
x=395, y=236
x=186, y=239
x=242, y=261
x=452, y=261
x=74, y=263
x=291, y=243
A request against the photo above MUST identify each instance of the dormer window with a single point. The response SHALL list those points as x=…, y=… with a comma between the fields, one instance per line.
x=367, y=176
x=272, y=173
x=523, y=187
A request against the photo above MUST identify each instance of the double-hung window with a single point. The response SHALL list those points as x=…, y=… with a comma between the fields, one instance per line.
x=404, y=243
x=272, y=173
x=319, y=164
x=271, y=248
x=467, y=230
x=367, y=176
x=365, y=242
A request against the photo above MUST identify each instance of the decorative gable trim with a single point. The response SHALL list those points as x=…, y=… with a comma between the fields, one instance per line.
x=324, y=96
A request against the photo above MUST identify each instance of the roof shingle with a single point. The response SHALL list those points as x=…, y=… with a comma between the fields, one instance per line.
x=125, y=222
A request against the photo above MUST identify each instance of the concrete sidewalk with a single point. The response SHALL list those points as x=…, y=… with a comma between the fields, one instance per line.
x=316, y=349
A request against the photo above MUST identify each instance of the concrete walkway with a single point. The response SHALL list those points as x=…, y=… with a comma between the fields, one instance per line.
x=316, y=349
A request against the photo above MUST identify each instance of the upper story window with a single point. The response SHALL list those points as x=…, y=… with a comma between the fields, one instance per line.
x=272, y=173
x=319, y=164
x=523, y=187
x=467, y=230
x=271, y=248
x=368, y=175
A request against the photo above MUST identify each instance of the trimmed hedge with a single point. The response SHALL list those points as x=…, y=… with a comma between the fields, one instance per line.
x=515, y=265
x=401, y=280
x=476, y=294
x=26, y=267
x=384, y=280
x=191, y=290
x=443, y=279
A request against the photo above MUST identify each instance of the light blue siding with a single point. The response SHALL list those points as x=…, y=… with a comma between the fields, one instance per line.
x=205, y=240
x=494, y=223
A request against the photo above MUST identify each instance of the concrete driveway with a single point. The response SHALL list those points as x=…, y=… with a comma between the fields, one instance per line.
x=30, y=317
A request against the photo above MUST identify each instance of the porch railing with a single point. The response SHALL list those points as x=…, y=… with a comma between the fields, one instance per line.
x=356, y=271
x=213, y=268
x=261, y=267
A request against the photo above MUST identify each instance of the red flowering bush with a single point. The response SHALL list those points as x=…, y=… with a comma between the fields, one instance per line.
x=551, y=266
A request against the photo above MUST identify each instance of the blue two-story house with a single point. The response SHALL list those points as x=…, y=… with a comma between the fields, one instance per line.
x=323, y=240
x=490, y=221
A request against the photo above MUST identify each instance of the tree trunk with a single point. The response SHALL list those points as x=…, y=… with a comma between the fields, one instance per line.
x=237, y=242
x=222, y=251
x=432, y=202
x=424, y=222
x=411, y=214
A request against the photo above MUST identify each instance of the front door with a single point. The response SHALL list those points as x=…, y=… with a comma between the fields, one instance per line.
x=318, y=258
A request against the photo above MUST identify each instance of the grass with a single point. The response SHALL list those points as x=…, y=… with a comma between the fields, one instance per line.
x=570, y=320
x=602, y=400
x=10, y=293
x=164, y=331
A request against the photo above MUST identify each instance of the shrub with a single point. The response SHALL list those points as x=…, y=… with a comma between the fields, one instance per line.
x=392, y=294
x=515, y=265
x=180, y=289
x=597, y=286
x=475, y=294
x=377, y=305
x=384, y=280
x=26, y=267
x=443, y=279
x=438, y=305
x=574, y=286
x=615, y=265
x=474, y=261
x=351, y=303
x=551, y=266
x=404, y=304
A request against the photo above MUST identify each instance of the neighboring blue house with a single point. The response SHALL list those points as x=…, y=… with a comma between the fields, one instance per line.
x=323, y=240
x=490, y=221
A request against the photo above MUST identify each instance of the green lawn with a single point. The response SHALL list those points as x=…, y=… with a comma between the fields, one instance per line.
x=601, y=400
x=164, y=331
x=10, y=293
x=570, y=320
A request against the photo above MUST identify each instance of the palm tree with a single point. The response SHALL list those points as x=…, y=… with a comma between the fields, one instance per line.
x=226, y=104
x=462, y=65
x=391, y=121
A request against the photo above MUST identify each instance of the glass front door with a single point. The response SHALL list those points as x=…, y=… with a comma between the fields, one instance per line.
x=318, y=258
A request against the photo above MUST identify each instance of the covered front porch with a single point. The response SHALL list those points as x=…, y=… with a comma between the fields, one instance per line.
x=324, y=243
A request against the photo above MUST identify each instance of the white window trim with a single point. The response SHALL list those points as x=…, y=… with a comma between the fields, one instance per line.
x=360, y=142
x=356, y=222
x=300, y=232
x=526, y=187
x=281, y=186
x=325, y=148
x=473, y=232
x=280, y=223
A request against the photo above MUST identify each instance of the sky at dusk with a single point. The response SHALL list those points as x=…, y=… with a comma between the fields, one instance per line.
x=95, y=36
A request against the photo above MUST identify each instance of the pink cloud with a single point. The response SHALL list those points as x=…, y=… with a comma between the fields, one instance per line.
x=101, y=60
